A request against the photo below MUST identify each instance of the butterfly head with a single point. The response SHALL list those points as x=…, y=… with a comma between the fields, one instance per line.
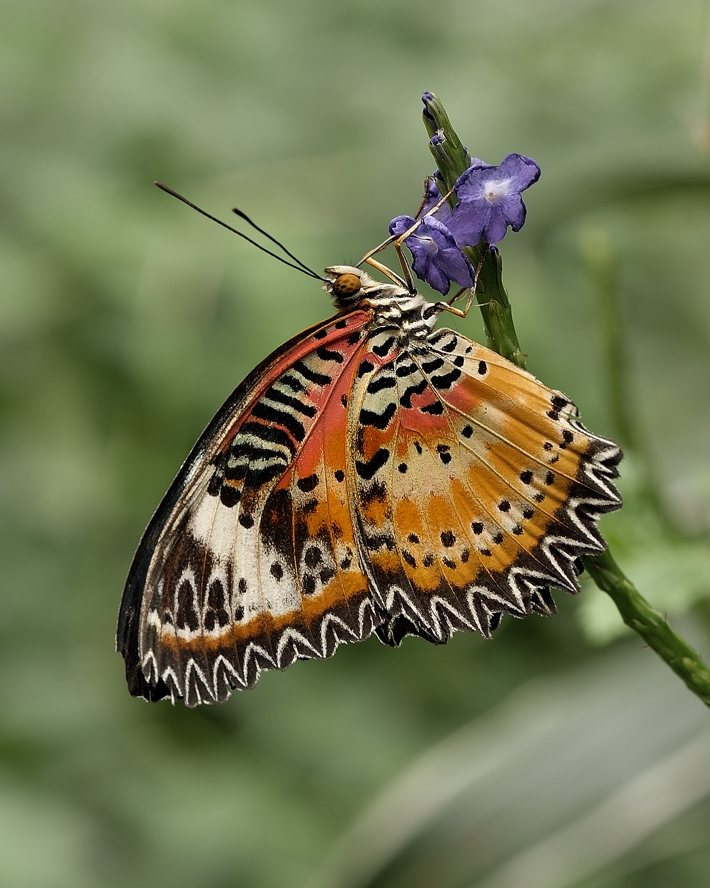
x=348, y=285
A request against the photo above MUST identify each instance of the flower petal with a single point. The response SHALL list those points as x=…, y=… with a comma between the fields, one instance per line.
x=514, y=211
x=495, y=229
x=468, y=221
x=436, y=257
x=490, y=201
x=400, y=224
x=522, y=171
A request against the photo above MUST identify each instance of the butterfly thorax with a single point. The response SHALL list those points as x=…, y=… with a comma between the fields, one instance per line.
x=392, y=306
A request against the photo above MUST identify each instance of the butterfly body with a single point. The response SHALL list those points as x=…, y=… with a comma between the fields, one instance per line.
x=372, y=474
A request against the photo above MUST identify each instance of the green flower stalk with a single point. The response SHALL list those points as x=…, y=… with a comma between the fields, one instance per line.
x=453, y=162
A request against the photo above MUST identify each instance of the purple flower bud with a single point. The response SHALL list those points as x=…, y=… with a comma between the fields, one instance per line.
x=426, y=98
x=489, y=199
x=436, y=258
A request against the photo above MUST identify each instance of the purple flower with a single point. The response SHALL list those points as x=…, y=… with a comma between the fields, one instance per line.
x=432, y=198
x=490, y=201
x=437, y=259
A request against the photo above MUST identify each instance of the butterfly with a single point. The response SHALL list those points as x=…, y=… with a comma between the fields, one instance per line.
x=373, y=474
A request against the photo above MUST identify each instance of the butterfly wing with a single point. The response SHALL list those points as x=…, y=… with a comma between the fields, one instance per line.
x=477, y=488
x=349, y=485
x=251, y=560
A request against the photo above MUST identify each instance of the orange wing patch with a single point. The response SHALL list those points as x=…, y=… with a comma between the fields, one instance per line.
x=477, y=487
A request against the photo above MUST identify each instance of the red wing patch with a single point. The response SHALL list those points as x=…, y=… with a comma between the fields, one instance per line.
x=256, y=561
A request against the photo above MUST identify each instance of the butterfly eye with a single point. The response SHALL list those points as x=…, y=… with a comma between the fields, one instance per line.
x=345, y=286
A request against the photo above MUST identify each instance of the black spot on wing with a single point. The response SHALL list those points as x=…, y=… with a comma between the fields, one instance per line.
x=276, y=571
x=418, y=389
x=186, y=616
x=368, y=469
x=216, y=612
x=433, y=364
x=269, y=434
x=303, y=407
x=311, y=375
x=326, y=575
x=446, y=380
x=409, y=558
x=306, y=485
x=380, y=383
x=382, y=349
x=292, y=382
x=312, y=557
x=378, y=420
x=229, y=496
x=405, y=369
x=280, y=417
x=558, y=403
x=326, y=354
x=444, y=454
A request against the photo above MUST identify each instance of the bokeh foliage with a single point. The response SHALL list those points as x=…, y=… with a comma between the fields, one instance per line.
x=126, y=320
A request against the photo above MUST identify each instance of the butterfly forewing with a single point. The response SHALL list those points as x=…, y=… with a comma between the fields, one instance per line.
x=257, y=545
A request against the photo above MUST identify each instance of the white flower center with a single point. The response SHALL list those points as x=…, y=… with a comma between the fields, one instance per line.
x=496, y=189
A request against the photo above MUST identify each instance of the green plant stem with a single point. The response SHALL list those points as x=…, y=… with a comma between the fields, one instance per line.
x=491, y=295
x=635, y=611
x=651, y=625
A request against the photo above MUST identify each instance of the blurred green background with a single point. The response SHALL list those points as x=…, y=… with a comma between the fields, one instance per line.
x=562, y=753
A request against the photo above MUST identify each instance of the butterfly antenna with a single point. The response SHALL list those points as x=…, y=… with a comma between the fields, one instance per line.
x=243, y=215
x=299, y=267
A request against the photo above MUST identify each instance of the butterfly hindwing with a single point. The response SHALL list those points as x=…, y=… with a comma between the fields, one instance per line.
x=483, y=487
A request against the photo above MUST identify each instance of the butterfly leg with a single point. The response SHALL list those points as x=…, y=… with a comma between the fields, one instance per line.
x=462, y=312
x=395, y=278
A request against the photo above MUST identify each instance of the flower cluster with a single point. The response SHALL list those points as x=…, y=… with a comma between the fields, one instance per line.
x=488, y=202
